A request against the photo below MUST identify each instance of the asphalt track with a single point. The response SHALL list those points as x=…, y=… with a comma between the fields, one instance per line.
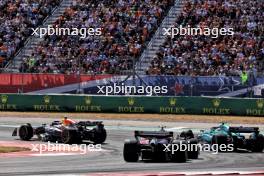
x=111, y=159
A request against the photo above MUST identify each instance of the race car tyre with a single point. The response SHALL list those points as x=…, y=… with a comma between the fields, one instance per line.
x=99, y=136
x=69, y=136
x=219, y=140
x=187, y=134
x=130, y=151
x=25, y=132
x=194, y=151
x=256, y=144
x=159, y=154
x=178, y=155
x=237, y=143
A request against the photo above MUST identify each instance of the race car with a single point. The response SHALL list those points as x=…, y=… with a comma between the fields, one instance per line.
x=56, y=131
x=224, y=134
x=188, y=136
x=156, y=146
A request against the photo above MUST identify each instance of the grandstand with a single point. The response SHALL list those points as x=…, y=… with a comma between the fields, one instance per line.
x=127, y=27
x=16, y=19
x=207, y=56
x=132, y=35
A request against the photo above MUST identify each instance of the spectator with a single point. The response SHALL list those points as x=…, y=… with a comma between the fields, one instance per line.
x=126, y=27
x=17, y=17
x=198, y=55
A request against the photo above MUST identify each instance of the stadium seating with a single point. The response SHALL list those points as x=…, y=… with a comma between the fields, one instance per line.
x=17, y=17
x=204, y=55
x=126, y=28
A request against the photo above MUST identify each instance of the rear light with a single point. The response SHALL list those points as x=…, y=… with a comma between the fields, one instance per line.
x=144, y=141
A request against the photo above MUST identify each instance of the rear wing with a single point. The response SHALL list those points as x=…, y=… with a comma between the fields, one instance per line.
x=157, y=134
x=90, y=123
x=244, y=129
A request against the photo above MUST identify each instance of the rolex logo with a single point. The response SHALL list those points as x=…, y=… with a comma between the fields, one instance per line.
x=172, y=101
x=216, y=102
x=260, y=103
x=131, y=101
x=47, y=99
x=4, y=99
x=88, y=100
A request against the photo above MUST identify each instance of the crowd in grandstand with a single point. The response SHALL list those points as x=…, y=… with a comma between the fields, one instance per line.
x=126, y=25
x=225, y=55
x=17, y=17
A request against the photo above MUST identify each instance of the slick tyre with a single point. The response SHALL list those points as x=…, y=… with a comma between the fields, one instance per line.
x=159, y=154
x=130, y=151
x=187, y=134
x=179, y=156
x=69, y=136
x=219, y=140
x=99, y=136
x=25, y=132
x=256, y=144
x=194, y=152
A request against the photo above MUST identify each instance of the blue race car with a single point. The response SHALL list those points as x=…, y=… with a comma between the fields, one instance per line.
x=150, y=145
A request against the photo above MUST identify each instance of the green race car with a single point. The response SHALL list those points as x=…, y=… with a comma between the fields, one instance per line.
x=237, y=136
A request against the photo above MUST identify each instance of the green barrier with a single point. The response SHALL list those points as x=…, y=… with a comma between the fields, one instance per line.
x=132, y=104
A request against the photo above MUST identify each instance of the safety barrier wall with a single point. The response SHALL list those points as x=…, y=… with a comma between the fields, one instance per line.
x=132, y=104
x=12, y=82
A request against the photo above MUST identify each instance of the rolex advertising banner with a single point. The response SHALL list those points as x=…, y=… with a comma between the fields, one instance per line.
x=132, y=104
